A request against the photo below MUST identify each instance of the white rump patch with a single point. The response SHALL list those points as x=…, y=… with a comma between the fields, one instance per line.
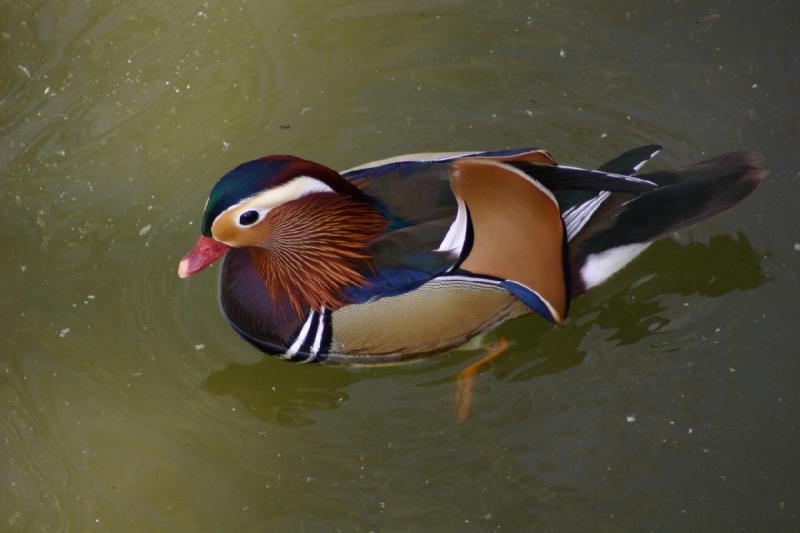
x=600, y=267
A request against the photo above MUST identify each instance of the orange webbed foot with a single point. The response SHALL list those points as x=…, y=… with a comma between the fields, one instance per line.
x=466, y=379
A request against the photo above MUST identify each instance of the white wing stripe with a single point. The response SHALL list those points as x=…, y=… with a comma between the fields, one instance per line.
x=471, y=279
x=453, y=242
x=575, y=218
x=407, y=158
x=623, y=177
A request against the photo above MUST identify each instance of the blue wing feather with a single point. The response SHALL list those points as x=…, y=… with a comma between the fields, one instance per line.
x=385, y=282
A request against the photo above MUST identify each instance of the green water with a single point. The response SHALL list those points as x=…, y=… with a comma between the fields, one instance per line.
x=668, y=402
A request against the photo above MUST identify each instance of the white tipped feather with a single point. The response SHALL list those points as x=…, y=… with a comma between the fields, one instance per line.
x=642, y=163
x=576, y=217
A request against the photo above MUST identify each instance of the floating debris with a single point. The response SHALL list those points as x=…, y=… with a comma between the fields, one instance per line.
x=630, y=418
x=64, y=332
x=797, y=247
x=708, y=18
x=199, y=347
x=225, y=146
x=24, y=70
x=144, y=230
x=562, y=54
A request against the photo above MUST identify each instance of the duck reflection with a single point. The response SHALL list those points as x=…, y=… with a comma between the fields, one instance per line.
x=723, y=265
x=633, y=312
x=282, y=393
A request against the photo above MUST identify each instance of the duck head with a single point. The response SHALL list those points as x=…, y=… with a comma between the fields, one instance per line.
x=305, y=226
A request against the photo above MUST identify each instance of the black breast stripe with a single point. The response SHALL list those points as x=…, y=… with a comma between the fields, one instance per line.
x=316, y=339
x=308, y=341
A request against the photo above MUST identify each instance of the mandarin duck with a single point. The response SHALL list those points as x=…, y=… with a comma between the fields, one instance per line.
x=413, y=255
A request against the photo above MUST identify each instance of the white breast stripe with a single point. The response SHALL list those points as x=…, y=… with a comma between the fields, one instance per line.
x=301, y=337
x=318, y=338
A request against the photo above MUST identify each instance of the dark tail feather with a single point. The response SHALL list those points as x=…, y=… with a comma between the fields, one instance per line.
x=733, y=163
x=687, y=196
x=698, y=192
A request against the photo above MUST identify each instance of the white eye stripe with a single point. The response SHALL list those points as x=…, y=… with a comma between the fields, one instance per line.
x=264, y=201
x=291, y=190
x=261, y=214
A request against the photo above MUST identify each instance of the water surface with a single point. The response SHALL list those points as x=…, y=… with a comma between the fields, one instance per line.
x=669, y=401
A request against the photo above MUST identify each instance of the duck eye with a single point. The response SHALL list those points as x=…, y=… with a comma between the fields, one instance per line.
x=248, y=218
